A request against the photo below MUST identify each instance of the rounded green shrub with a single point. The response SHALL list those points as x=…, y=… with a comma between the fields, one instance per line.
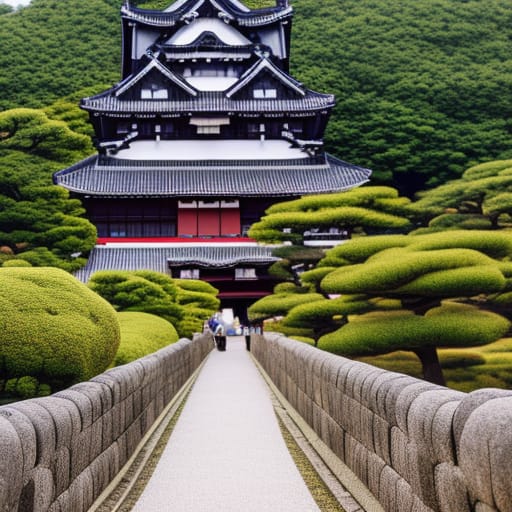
x=16, y=263
x=142, y=334
x=53, y=327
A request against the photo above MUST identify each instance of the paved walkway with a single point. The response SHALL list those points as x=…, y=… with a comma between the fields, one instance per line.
x=226, y=452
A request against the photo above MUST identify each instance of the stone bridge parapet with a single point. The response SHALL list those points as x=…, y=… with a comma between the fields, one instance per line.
x=60, y=452
x=415, y=446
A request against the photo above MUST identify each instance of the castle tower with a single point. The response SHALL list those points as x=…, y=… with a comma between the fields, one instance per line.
x=205, y=131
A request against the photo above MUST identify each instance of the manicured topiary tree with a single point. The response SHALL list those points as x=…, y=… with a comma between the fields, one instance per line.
x=145, y=291
x=142, y=334
x=422, y=272
x=480, y=199
x=54, y=330
x=375, y=209
x=280, y=302
x=199, y=301
x=185, y=303
x=325, y=315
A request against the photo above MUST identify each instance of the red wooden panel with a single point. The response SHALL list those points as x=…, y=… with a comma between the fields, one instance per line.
x=208, y=221
x=187, y=222
x=230, y=221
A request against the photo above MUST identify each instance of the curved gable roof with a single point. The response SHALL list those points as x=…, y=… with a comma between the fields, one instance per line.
x=154, y=64
x=187, y=10
x=262, y=65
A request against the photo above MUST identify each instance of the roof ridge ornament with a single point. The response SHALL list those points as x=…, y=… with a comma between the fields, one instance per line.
x=225, y=17
x=189, y=17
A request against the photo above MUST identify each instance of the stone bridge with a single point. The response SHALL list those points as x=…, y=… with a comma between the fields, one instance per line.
x=392, y=440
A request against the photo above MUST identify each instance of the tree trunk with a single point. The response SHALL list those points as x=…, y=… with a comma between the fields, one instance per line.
x=432, y=371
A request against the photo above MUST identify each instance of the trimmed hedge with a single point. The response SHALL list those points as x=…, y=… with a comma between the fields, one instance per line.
x=142, y=334
x=442, y=273
x=279, y=304
x=451, y=325
x=53, y=327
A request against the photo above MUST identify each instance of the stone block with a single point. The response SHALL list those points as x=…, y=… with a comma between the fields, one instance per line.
x=369, y=386
x=81, y=492
x=96, y=433
x=317, y=413
x=485, y=452
x=109, y=379
x=387, y=494
x=367, y=428
x=406, y=396
x=421, y=475
x=400, y=453
x=44, y=427
x=419, y=506
x=427, y=415
x=384, y=392
x=101, y=473
x=452, y=494
x=362, y=376
x=66, y=417
x=62, y=469
x=356, y=458
x=107, y=430
x=336, y=438
x=11, y=463
x=404, y=496
x=375, y=468
x=82, y=402
x=80, y=453
x=342, y=381
x=27, y=435
x=382, y=437
x=472, y=401
x=483, y=507
x=39, y=492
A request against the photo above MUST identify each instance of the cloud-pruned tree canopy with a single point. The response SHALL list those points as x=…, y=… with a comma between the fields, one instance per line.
x=186, y=304
x=39, y=223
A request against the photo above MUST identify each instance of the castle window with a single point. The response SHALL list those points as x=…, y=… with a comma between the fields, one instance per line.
x=189, y=273
x=208, y=130
x=264, y=93
x=153, y=94
x=245, y=273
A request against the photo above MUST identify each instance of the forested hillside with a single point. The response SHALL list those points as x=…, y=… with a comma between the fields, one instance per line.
x=424, y=87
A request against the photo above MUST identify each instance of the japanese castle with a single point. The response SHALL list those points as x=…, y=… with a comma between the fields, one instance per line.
x=205, y=131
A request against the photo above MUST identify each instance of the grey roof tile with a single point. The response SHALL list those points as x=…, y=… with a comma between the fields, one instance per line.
x=103, y=176
x=206, y=101
x=160, y=258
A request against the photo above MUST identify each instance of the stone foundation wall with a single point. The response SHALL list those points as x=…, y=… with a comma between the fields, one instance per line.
x=60, y=452
x=416, y=446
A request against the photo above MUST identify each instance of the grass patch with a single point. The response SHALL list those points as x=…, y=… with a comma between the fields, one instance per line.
x=321, y=494
x=465, y=369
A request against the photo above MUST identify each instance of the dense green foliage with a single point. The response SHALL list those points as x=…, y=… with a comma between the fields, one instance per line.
x=454, y=325
x=54, y=330
x=142, y=334
x=367, y=209
x=39, y=223
x=186, y=304
x=52, y=48
x=423, y=88
x=403, y=292
x=481, y=198
x=280, y=303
